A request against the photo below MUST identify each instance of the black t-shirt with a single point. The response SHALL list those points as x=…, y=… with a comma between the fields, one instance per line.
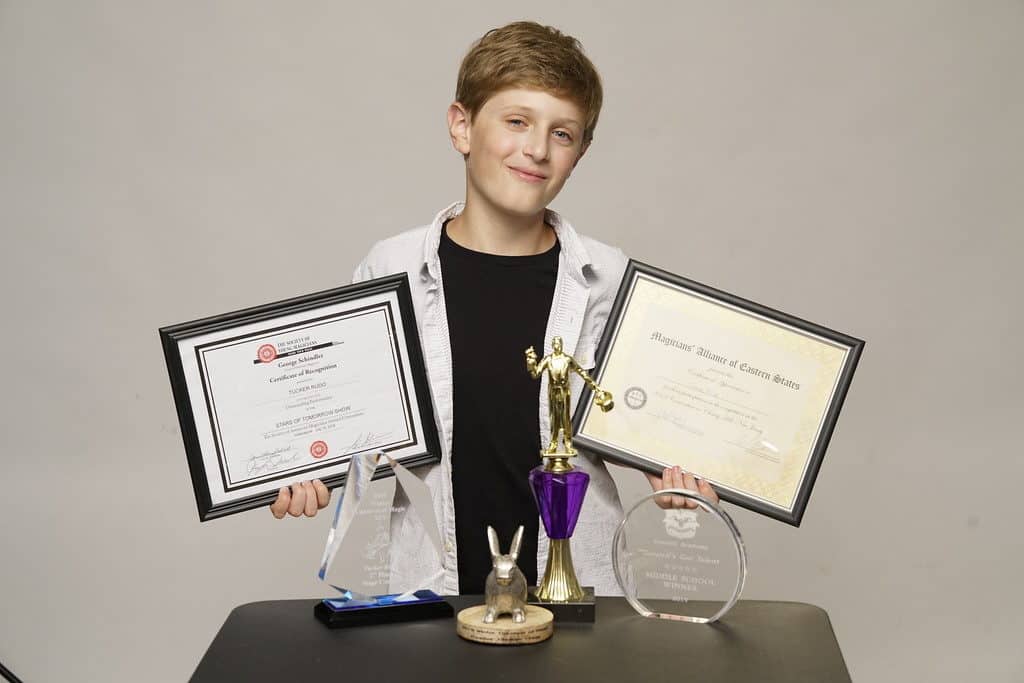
x=497, y=307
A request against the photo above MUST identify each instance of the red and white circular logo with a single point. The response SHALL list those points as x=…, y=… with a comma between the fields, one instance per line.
x=318, y=449
x=266, y=353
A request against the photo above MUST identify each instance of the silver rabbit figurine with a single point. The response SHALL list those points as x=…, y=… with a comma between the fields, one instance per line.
x=505, y=587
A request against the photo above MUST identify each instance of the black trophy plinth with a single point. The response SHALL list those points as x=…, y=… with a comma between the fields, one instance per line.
x=582, y=611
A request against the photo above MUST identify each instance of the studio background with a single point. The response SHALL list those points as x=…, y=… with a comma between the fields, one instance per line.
x=855, y=164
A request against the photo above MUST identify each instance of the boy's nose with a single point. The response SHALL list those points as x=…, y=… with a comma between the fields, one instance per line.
x=536, y=147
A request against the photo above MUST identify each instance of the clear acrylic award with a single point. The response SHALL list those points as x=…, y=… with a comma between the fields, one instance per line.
x=676, y=563
x=357, y=562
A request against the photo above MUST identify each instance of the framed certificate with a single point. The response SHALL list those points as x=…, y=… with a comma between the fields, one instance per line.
x=736, y=393
x=290, y=391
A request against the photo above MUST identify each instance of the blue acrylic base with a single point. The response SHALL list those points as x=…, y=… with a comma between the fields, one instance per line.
x=340, y=613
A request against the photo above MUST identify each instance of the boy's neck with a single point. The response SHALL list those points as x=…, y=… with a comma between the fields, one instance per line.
x=489, y=231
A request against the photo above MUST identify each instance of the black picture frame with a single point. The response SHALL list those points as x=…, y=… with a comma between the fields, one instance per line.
x=620, y=308
x=426, y=448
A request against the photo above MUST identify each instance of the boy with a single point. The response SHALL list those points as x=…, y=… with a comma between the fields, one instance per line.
x=491, y=276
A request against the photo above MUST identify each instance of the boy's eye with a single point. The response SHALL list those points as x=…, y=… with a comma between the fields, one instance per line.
x=564, y=135
x=515, y=122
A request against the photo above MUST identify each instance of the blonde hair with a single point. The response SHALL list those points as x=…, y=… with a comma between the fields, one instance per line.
x=525, y=54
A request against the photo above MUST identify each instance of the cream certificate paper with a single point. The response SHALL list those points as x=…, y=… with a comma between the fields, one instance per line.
x=311, y=391
x=734, y=397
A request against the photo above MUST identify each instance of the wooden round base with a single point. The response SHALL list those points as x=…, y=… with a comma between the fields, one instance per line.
x=539, y=626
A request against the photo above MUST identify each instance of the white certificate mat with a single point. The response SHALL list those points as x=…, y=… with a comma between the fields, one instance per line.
x=738, y=394
x=294, y=390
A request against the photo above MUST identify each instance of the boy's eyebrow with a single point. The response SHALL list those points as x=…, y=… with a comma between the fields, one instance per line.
x=523, y=107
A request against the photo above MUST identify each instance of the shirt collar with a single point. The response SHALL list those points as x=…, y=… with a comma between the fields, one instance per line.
x=572, y=249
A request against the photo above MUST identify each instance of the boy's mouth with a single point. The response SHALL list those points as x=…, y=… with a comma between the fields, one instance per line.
x=528, y=176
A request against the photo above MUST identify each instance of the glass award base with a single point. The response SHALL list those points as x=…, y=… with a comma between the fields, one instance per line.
x=582, y=610
x=384, y=609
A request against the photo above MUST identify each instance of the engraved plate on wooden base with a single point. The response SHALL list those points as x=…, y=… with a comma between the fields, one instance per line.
x=538, y=627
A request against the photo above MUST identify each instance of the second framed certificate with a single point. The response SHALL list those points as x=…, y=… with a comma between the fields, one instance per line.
x=736, y=393
x=292, y=390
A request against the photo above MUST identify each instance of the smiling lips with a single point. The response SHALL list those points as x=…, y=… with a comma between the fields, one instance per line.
x=528, y=176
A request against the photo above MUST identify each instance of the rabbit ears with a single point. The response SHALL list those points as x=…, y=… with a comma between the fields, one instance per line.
x=517, y=540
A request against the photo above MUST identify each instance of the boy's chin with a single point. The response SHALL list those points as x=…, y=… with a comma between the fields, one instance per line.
x=521, y=207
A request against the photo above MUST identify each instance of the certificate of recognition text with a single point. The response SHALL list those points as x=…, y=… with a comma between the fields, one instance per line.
x=293, y=396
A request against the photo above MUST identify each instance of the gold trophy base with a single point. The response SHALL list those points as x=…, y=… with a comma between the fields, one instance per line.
x=538, y=627
x=560, y=583
x=560, y=591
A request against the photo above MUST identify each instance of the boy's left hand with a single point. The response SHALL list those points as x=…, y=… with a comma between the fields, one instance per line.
x=675, y=478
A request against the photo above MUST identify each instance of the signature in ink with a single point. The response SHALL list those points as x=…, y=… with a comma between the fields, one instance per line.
x=677, y=422
x=270, y=461
x=752, y=441
x=367, y=440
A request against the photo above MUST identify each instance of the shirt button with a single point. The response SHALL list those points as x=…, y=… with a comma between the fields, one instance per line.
x=448, y=546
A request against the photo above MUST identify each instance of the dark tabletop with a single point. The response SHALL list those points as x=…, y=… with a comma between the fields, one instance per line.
x=757, y=640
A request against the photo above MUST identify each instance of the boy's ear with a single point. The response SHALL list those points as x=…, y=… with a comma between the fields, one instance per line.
x=458, y=127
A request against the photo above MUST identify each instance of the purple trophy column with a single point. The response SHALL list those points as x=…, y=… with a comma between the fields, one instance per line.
x=559, y=497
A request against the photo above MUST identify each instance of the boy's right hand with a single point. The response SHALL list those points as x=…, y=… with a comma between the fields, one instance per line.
x=675, y=478
x=302, y=498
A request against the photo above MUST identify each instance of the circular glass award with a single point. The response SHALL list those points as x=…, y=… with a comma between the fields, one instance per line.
x=678, y=562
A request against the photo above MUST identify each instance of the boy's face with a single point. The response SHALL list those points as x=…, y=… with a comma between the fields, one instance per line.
x=520, y=148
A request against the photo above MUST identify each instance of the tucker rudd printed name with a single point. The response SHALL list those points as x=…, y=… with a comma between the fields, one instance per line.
x=723, y=360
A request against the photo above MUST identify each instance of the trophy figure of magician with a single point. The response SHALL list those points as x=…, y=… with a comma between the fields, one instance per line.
x=558, y=487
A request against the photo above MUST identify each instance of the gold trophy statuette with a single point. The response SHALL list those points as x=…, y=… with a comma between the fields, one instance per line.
x=559, y=488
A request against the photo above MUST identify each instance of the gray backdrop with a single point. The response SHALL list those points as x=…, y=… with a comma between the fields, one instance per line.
x=855, y=164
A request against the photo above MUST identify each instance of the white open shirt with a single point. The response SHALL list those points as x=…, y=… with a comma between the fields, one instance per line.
x=589, y=274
